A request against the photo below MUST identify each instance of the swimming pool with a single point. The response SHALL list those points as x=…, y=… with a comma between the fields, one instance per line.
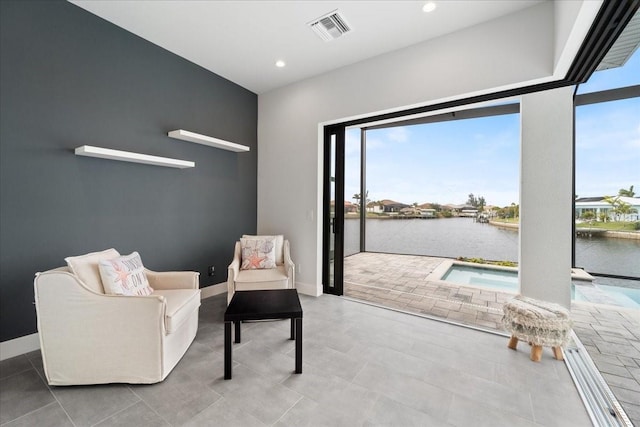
x=627, y=297
x=506, y=279
x=485, y=277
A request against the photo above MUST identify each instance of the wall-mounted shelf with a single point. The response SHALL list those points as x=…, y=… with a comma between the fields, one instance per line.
x=185, y=135
x=127, y=156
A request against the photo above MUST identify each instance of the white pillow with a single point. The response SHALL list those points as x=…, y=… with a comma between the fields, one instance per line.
x=124, y=276
x=258, y=253
x=85, y=267
x=279, y=244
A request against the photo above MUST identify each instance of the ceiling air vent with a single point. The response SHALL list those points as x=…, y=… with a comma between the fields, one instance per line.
x=330, y=26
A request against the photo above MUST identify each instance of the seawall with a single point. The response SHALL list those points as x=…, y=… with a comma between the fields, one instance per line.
x=633, y=235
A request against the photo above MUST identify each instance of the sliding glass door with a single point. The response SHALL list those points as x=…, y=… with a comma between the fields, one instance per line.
x=333, y=218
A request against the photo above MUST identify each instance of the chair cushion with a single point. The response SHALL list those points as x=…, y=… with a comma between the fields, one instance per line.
x=85, y=267
x=274, y=278
x=180, y=305
x=279, y=246
x=124, y=275
x=258, y=253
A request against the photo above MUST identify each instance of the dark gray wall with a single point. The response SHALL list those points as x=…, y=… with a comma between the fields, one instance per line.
x=69, y=78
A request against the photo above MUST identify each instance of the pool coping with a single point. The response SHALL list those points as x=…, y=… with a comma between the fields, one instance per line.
x=441, y=270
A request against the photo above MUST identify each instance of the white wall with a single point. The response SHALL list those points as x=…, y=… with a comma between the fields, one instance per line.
x=546, y=195
x=511, y=51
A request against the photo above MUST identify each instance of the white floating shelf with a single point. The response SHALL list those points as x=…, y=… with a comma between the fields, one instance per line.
x=185, y=135
x=127, y=156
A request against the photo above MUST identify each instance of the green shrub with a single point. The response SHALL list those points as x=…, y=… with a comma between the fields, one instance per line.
x=483, y=261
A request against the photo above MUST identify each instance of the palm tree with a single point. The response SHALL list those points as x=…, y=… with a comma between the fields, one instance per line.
x=619, y=207
x=357, y=198
x=627, y=193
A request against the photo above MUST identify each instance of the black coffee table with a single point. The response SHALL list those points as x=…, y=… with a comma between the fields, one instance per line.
x=263, y=305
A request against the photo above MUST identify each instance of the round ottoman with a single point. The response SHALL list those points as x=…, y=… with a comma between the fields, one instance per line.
x=538, y=322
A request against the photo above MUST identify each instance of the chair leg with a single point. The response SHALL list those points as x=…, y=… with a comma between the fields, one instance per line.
x=557, y=353
x=513, y=343
x=536, y=353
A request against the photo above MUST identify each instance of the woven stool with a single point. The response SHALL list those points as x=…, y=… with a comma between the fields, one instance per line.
x=538, y=322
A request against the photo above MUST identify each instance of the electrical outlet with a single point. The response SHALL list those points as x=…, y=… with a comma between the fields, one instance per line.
x=299, y=268
x=212, y=270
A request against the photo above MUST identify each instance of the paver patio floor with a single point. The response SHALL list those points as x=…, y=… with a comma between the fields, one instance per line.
x=610, y=334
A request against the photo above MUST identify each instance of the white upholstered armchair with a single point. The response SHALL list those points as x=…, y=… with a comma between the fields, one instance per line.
x=89, y=337
x=282, y=276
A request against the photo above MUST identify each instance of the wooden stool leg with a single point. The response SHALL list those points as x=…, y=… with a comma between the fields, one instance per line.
x=513, y=343
x=536, y=353
x=557, y=353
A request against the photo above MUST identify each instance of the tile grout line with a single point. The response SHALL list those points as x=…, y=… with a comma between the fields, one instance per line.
x=46, y=383
x=119, y=411
x=291, y=407
x=149, y=406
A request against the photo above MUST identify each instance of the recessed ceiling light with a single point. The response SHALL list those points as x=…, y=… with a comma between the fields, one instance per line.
x=280, y=63
x=429, y=6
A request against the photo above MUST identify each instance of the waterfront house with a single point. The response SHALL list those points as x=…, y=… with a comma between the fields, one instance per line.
x=603, y=210
x=391, y=206
x=375, y=207
x=348, y=207
x=351, y=207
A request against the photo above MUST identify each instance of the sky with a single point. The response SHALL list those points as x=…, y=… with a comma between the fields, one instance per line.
x=445, y=162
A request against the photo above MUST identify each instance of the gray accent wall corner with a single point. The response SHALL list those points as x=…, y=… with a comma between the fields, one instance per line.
x=69, y=78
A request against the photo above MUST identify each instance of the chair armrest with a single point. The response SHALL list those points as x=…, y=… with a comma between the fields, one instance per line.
x=173, y=279
x=289, y=266
x=233, y=270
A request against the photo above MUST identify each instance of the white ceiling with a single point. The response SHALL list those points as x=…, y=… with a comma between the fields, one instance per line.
x=241, y=40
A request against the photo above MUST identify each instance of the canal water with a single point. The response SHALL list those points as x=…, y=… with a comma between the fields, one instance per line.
x=462, y=237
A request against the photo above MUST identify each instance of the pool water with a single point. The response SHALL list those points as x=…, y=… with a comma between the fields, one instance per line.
x=484, y=277
x=507, y=280
x=627, y=297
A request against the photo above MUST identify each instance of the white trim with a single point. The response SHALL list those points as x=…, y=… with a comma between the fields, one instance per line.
x=213, y=290
x=18, y=346
x=308, y=289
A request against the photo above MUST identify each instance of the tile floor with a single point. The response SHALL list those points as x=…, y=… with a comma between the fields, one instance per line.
x=363, y=366
x=610, y=334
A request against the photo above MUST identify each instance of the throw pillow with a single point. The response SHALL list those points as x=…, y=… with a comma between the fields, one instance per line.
x=125, y=276
x=85, y=267
x=279, y=243
x=258, y=253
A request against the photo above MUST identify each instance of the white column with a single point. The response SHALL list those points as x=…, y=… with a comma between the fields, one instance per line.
x=546, y=195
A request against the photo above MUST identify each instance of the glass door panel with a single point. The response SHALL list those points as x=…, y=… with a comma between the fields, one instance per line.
x=333, y=225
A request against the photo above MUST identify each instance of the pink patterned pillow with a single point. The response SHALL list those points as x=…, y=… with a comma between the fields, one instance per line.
x=124, y=276
x=258, y=253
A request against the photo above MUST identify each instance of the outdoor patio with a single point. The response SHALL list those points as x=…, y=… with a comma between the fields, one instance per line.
x=610, y=334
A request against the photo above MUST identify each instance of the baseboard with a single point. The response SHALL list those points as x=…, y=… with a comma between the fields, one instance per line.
x=221, y=288
x=18, y=346
x=213, y=290
x=308, y=289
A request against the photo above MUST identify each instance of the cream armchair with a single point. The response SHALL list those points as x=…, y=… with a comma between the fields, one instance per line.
x=281, y=277
x=88, y=337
